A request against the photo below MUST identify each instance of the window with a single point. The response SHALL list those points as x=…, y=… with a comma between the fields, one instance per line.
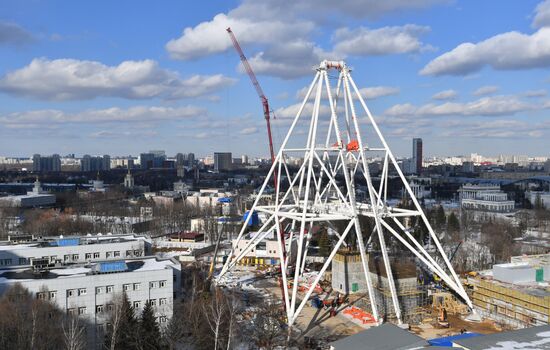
x=137, y=253
x=162, y=284
x=152, y=285
x=108, y=255
x=110, y=289
x=71, y=293
x=5, y=262
x=128, y=253
x=137, y=286
x=162, y=319
x=99, y=328
x=41, y=295
x=71, y=312
x=66, y=257
x=96, y=255
x=98, y=309
x=88, y=256
x=162, y=301
x=82, y=310
x=136, y=304
x=116, y=253
x=75, y=257
x=98, y=290
x=82, y=291
x=153, y=302
x=22, y=261
x=126, y=287
x=53, y=294
x=110, y=307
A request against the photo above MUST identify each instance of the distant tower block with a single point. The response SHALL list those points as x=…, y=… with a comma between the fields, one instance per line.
x=129, y=180
x=180, y=172
x=323, y=191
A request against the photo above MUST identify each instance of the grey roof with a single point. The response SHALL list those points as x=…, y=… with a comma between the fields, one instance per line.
x=534, y=338
x=383, y=337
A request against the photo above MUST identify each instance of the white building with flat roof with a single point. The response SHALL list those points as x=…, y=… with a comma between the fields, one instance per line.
x=487, y=198
x=89, y=290
x=33, y=199
x=73, y=249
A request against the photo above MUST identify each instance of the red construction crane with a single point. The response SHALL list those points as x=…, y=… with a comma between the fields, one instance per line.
x=267, y=116
x=258, y=88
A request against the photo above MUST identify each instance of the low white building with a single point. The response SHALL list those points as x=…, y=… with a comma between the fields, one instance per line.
x=33, y=199
x=73, y=249
x=90, y=291
x=485, y=197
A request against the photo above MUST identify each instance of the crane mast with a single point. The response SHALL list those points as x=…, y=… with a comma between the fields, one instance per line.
x=252, y=76
x=265, y=105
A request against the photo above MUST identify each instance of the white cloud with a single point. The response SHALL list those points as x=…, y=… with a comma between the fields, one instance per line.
x=486, y=106
x=382, y=41
x=542, y=15
x=445, y=95
x=535, y=93
x=70, y=79
x=210, y=37
x=115, y=114
x=248, y=131
x=374, y=92
x=485, y=90
x=500, y=128
x=289, y=60
x=126, y=134
x=13, y=34
x=507, y=51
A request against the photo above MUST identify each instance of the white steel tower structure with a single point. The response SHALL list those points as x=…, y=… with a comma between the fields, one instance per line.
x=335, y=160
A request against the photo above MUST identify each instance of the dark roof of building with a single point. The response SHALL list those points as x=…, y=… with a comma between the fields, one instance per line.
x=383, y=337
x=527, y=338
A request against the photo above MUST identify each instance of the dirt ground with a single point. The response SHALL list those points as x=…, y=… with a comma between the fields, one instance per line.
x=456, y=324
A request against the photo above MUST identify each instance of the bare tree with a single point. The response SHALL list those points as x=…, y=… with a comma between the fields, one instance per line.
x=73, y=333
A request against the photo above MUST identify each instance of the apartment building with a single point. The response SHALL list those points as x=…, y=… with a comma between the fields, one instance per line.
x=91, y=290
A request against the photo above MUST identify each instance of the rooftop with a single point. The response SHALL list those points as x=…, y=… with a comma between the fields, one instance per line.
x=527, y=338
x=45, y=242
x=384, y=337
x=79, y=270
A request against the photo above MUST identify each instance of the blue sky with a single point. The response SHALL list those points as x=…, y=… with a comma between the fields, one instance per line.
x=128, y=76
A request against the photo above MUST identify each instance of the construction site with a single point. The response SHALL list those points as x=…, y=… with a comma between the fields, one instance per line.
x=358, y=284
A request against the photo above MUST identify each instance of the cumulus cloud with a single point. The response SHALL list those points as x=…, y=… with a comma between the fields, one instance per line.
x=486, y=106
x=445, y=95
x=289, y=60
x=123, y=133
x=485, y=90
x=507, y=51
x=248, y=131
x=70, y=79
x=535, y=93
x=13, y=34
x=500, y=128
x=278, y=30
x=115, y=114
x=382, y=41
x=211, y=37
x=542, y=15
x=374, y=92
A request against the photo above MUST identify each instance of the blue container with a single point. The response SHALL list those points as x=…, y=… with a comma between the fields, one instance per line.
x=254, y=220
x=225, y=200
x=112, y=266
x=448, y=341
x=67, y=242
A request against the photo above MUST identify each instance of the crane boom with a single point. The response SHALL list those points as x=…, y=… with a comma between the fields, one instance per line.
x=261, y=95
x=265, y=105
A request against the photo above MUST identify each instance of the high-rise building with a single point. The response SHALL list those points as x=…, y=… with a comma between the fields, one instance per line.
x=244, y=159
x=180, y=159
x=191, y=159
x=222, y=161
x=46, y=163
x=417, y=156
x=89, y=163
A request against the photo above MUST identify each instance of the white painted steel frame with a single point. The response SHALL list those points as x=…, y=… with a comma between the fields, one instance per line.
x=319, y=198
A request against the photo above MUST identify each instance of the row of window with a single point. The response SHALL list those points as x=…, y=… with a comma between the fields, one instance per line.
x=101, y=328
x=137, y=286
x=109, y=307
x=76, y=257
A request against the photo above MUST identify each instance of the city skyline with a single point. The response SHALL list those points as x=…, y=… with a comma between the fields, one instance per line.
x=169, y=78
